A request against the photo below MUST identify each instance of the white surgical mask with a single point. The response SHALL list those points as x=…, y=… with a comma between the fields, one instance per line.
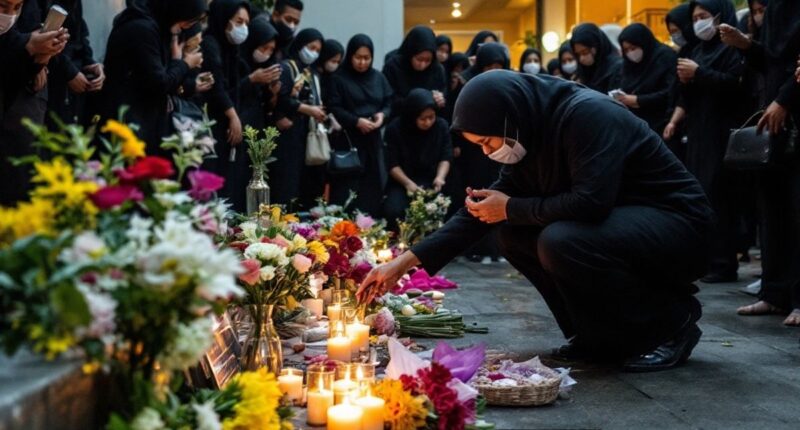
x=531, y=68
x=705, y=29
x=569, y=67
x=308, y=56
x=238, y=34
x=6, y=22
x=260, y=56
x=678, y=39
x=331, y=67
x=508, y=154
x=758, y=19
x=635, y=55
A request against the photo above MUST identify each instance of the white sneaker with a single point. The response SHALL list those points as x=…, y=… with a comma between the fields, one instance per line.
x=753, y=289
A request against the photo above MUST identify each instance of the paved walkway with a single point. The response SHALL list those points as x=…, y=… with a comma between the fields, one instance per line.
x=744, y=374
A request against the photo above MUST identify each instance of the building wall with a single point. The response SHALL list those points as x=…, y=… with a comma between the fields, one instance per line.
x=99, y=15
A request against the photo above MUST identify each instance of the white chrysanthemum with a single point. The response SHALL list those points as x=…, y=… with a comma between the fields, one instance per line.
x=267, y=273
x=170, y=200
x=249, y=230
x=267, y=253
x=207, y=418
x=86, y=247
x=188, y=345
x=148, y=419
x=220, y=287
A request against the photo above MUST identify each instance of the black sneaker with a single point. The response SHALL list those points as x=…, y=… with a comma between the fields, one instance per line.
x=669, y=355
x=571, y=351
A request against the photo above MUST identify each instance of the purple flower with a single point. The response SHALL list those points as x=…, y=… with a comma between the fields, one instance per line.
x=204, y=184
x=364, y=222
x=303, y=229
x=462, y=364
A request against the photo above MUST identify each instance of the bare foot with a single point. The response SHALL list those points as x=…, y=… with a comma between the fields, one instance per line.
x=760, y=308
x=793, y=320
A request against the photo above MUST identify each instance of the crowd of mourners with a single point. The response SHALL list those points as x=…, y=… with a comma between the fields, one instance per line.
x=250, y=67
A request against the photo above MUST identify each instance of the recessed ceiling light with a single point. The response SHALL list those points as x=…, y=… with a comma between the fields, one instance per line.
x=456, y=13
x=433, y=21
x=456, y=5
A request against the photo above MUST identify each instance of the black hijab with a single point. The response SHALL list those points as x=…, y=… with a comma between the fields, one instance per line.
x=167, y=13
x=525, y=55
x=219, y=14
x=657, y=57
x=444, y=40
x=502, y=102
x=402, y=75
x=479, y=40
x=554, y=66
x=681, y=16
x=261, y=32
x=357, y=42
x=458, y=58
x=330, y=49
x=417, y=101
x=488, y=54
x=781, y=30
x=303, y=38
x=419, y=39
x=707, y=52
x=606, y=60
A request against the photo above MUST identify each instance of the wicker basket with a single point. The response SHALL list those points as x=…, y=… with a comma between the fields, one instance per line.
x=527, y=395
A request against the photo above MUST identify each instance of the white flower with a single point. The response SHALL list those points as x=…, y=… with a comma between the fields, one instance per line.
x=220, y=287
x=139, y=231
x=187, y=138
x=267, y=252
x=267, y=273
x=249, y=230
x=317, y=212
x=170, y=200
x=207, y=418
x=148, y=419
x=102, y=307
x=205, y=144
x=86, y=247
x=188, y=345
x=431, y=208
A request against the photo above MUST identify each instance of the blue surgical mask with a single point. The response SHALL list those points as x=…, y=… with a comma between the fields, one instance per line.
x=308, y=56
x=238, y=34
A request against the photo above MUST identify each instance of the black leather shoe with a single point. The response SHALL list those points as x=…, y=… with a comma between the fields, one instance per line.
x=717, y=278
x=570, y=352
x=670, y=354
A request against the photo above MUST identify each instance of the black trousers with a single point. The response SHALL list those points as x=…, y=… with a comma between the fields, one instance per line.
x=621, y=287
x=779, y=212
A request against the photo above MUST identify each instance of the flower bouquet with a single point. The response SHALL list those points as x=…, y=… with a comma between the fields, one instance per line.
x=424, y=215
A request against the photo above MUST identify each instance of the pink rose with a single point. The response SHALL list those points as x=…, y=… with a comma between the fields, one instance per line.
x=113, y=196
x=301, y=263
x=252, y=272
x=204, y=184
x=364, y=222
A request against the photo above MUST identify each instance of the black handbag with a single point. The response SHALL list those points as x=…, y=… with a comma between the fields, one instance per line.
x=345, y=162
x=749, y=150
x=183, y=112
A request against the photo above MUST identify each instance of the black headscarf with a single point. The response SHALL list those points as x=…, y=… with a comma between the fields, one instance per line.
x=419, y=39
x=219, y=14
x=444, y=40
x=681, y=16
x=330, y=49
x=553, y=66
x=261, y=32
x=402, y=75
x=707, y=52
x=167, y=13
x=417, y=101
x=525, y=55
x=606, y=60
x=781, y=30
x=458, y=58
x=488, y=54
x=357, y=42
x=479, y=40
x=303, y=38
x=657, y=57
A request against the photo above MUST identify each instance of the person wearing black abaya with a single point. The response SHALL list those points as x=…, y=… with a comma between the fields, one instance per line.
x=605, y=222
x=415, y=66
x=258, y=62
x=145, y=64
x=567, y=62
x=444, y=49
x=484, y=36
x=329, y=61
x=599, y=63
x=360, y=100
x=228, y=29
x=710, y=102
x=531, y=62
x=418, y=153
x=779, y=186
x=648, y=76
x=291, y=181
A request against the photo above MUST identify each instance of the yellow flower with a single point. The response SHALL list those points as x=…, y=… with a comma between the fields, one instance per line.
x=290, y=218
x=276, y=214
x=132, y=147
x=258, y=406
x=321, y=255
x=56, y=180
x=34, y=217
x=402, y=410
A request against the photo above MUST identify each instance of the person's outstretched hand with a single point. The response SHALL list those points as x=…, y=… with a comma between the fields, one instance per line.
x=384, y=277
x=732, y=36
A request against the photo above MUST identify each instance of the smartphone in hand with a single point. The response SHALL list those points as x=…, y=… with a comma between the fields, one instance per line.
x=55, y=19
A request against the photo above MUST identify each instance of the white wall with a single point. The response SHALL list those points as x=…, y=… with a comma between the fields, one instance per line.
x=382, y=20
x=99, y=15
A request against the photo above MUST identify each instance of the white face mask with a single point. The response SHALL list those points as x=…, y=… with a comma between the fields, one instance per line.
x=705, y=29
x=261, y=57
x=758, y=19
x=6, y=22
x=508, y=154
x=238, y=34
x=331, y=67
x=678, y=39
x=308, y=56
x=569, y=67
x=635, y=55
x=531, y=68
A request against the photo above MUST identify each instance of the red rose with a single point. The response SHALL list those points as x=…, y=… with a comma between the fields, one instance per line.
x=147, y=168
x=115, y=195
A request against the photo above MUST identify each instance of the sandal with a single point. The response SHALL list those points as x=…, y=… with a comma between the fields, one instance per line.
x=760, y=308
x=793, y=320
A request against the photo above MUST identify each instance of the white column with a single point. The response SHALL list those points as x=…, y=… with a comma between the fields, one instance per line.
x=99, y=16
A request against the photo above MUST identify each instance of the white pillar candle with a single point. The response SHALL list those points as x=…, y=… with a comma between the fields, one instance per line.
x=334, y=313
x=372, y=408
x=345, y=417
x=318, y=404
x=314, y=306
x=339, y=348
x=291, y=384
x=344, y=389
x=359, y=335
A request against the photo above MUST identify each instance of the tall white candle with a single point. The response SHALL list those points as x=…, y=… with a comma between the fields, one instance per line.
x=359, y=334
x=340, y=348
x=334, y=313
x=372, y=408
x=318, y=404
x=291, y=384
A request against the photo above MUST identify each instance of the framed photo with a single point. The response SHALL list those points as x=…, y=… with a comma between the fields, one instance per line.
x=221, y=362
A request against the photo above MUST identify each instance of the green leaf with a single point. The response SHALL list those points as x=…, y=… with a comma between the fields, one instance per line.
x=70, y=306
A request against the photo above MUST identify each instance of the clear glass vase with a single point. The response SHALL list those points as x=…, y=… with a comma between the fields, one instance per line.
x=262, y=348
x=257, y=191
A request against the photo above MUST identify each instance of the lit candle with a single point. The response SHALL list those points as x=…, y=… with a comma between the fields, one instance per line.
x=344, y=389
x=314, y=306
x=334, y=313
x=359, y=335
x=319, y=401
x=345, y=417
x=372, y=408
x=384, y=255
x=339, y=345
x=290, y=383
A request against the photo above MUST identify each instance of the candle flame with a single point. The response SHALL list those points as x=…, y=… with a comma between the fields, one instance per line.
x=359, y=374
x=321, y=384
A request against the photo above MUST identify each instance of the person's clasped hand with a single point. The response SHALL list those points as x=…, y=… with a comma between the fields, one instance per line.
x=686, y=69
x=488, y=206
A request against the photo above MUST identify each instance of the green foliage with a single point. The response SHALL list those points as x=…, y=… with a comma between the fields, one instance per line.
x=260, y=149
